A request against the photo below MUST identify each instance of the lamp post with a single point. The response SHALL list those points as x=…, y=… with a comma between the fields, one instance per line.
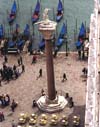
x=50, y=102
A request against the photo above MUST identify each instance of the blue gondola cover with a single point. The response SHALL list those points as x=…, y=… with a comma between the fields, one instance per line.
x=35, y=15
x=59, y=11
x=42, y=44
x=17, y=28
x=60, y=6
x=37, y=8
x=13, y=13
x=62, y=34
x=27, y=30
x=11, y=44
x=14, y=8
x=82, y=32
x=1, y=31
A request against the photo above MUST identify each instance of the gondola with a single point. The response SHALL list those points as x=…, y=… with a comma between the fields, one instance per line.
x=13, y=13
x=62, y=35
x=11, y=44
x=27, y=30
x=81, y=36
x=1, y=31
x=82, y=32
x=20, y=43
x=42, y=44
x=36, y=13
x=12, y=48
x=17, y=29
x=60, y=10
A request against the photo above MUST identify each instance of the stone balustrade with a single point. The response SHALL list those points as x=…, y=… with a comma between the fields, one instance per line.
x=92, y=101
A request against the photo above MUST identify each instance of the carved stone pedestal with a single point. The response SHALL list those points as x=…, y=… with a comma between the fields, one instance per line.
x=50, y=106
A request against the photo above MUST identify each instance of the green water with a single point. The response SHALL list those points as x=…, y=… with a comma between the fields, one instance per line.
x=73, y=9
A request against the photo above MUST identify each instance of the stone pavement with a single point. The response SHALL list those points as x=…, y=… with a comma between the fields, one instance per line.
x=27, y=88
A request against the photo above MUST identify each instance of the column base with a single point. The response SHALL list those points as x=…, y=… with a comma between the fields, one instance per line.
x=51, y=106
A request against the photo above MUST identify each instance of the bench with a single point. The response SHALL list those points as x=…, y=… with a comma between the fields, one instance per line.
x=12, y=50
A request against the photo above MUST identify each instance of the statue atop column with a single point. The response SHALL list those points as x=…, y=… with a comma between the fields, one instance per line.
x=45, y=14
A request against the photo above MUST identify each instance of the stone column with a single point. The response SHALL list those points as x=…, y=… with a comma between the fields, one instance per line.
x=50, y=70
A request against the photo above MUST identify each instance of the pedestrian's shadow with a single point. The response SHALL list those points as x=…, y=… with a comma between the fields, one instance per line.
x=78, y=111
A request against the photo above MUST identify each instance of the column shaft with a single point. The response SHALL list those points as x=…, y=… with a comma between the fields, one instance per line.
x=50, y=70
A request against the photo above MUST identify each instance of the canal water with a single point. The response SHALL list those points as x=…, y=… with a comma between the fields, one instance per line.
x=75, y=12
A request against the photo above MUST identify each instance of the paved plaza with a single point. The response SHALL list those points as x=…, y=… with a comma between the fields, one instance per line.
x=27, y=88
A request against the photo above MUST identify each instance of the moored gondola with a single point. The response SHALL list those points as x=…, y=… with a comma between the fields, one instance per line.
x=60, y=11
x=36, y=13
x=81, y=36
x=62, y=35
x=42, y=44
x=26, y=32
x=13, y=13
x=1, y=31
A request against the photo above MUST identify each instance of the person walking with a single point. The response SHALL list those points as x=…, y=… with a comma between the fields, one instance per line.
x=14, y=67
x=40, y=73
x=13, y=124
x=2, y=117
x=13, y=105
x=5, y=59
x=42, y=92
x=64, y=77
x=34, y=59
x=79, y=54
x=18, y=61
x=23, y=68
x=21, y=60
x=0, y=82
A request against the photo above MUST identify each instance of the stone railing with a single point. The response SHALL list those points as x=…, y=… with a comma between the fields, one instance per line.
x=92, y=101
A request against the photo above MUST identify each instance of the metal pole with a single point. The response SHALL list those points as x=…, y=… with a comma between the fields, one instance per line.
x=18, y=4
x=85, y=29
x=53, y=14
x=66, y=46
x=4, y=28
x=66, y=40
x=33, y=29
x=74, y=36
x=76, y=28
x=63, y=4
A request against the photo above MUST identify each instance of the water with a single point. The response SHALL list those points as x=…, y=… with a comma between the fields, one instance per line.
x=73, y=9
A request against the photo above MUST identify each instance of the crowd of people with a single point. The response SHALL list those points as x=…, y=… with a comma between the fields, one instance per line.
x=8, y=73
x=17, y=41
x=2, y=118
x=4, y=100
